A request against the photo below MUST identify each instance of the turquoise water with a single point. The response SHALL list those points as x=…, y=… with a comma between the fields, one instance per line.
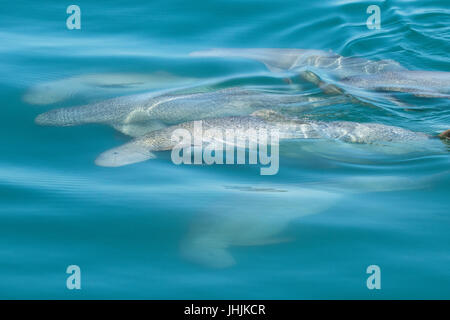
x=308, y=232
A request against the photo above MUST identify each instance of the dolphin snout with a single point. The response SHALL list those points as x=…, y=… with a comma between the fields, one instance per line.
x=122, y=156
x=107, y=159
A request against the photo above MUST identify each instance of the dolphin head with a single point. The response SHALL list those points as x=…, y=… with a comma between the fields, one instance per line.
x=129, y=153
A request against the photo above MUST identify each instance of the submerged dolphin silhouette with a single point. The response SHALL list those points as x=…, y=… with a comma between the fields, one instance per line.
x=428, y=84
x=142, y=148
x=138, y=114
x=382, y=75
x=98, y=84
x=229, y=221
x=295, y=59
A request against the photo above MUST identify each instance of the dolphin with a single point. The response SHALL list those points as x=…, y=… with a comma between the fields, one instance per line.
x=138, y=114
x=428, y=84
x=142, y=148
x=352, y=72
x=229, y=221
x=279, y=60
x=101, y=84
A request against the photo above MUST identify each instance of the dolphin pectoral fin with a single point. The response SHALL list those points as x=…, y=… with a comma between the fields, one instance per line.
x=137, y=123
x=138, y=129
x=136, y=116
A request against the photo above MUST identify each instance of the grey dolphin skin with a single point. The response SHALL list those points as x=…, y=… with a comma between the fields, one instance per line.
x=138, y=114
x=428, y=84
x=142, y=148
x=382, y=75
